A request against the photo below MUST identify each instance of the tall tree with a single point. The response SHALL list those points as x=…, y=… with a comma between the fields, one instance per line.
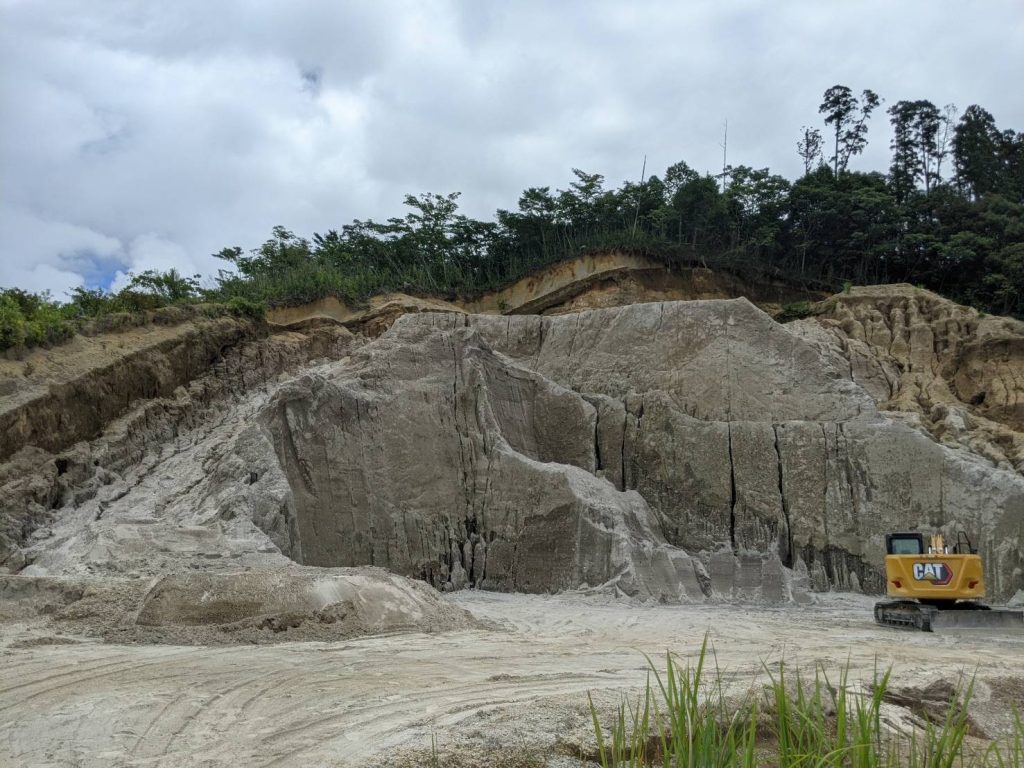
x=976, y=152
x=809, y=148
x=700, y=210
x=917, y=155
x=848, y=117
x=576, y=204
x=676, y=176
x=1012, y=154
x=944, y=141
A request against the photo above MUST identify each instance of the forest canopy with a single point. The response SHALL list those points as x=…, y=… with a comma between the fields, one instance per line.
x=948, y=214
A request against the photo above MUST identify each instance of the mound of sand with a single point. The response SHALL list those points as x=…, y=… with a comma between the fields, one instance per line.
x=277, y=605
x=297, y=603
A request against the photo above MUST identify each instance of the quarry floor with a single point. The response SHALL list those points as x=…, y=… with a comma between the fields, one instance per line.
x=382, y=700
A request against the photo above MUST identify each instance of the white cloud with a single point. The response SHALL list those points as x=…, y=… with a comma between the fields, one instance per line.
x=151, y=251
x=40, y=254
x=137, y=134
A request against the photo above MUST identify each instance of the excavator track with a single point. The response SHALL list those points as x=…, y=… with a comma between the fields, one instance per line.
x=907, y=614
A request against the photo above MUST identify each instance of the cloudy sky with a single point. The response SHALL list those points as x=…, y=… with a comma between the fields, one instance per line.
x=137, y=135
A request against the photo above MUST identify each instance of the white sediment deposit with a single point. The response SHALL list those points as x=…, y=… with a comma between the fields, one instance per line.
x=516, y=686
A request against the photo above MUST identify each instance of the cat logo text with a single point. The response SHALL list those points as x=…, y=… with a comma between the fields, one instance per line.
x=937, y=573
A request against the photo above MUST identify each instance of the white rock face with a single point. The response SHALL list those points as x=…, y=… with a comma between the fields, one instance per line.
x=679, y=451
x=429, y=454
x=540, y=453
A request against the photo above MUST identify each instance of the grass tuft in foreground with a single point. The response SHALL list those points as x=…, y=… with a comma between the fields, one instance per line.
x=684, y=719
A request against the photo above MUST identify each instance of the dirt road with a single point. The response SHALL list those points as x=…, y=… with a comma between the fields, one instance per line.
x=344, y=704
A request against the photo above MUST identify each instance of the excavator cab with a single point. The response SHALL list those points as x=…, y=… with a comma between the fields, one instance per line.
x=937, y=586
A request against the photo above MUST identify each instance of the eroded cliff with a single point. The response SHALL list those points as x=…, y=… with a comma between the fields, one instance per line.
x=955, y=371
x=541, y=452
x=681, y=450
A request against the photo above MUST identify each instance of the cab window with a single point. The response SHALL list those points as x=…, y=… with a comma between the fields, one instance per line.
x=905, y=545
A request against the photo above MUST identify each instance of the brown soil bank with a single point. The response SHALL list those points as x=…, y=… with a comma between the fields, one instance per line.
x=593, y=281
x=55, y=397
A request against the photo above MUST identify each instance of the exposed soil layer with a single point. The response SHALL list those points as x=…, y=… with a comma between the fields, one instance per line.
x=593, y=281
x=55, y=397
x=81, y=416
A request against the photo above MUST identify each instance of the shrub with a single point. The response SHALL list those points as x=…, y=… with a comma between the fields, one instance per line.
x=794, y=311
x=49, y=325
x=243, y=307
x=12, y=322
x=129, y=300
x=171, y=286
x=32, y=319
x=85, y=302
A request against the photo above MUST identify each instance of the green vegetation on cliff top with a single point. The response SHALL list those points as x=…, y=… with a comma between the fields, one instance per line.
x=948, y=215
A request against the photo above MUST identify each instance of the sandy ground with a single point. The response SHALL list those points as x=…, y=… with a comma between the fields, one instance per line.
x=521, y=684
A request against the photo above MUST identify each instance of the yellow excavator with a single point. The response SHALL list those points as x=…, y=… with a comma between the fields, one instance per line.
x=937, y=586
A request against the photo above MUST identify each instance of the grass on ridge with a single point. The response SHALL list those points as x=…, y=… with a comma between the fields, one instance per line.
x=685, y=720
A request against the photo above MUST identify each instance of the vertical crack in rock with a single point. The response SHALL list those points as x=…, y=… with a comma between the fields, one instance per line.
x=468, y=492
x=787, y=556
x=847, y=462
x=575, y=333
x=824, y=482
x=622, y=449
x=942, y=490
x=540, y=343
x=598, y=464
x=732, y=491
x=847, y=349
x=728, y=368
x=291, y=451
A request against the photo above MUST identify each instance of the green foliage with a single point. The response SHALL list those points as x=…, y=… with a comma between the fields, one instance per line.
x=48, y=325
x=32, y=319
x=243, y=307
x=686, y=718
x=145, y=292
x=675, y=722
x=170, y=286
x=796, y=310
x=85, y=302
x=848, y=117
x=921, y=139
x=832, y=227
x=12, y=322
